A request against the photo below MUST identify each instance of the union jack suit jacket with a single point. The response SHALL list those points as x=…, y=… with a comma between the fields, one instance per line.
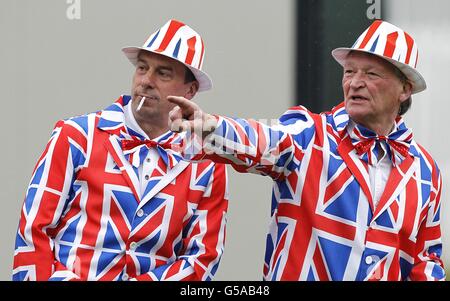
x=84, y=216
x=323, y=222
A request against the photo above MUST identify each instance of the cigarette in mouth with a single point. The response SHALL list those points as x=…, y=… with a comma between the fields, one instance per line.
x=141, y=103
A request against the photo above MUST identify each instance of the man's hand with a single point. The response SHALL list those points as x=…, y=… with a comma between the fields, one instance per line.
x=188, y=116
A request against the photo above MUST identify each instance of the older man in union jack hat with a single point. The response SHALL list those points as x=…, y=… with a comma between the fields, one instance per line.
x=355, y=197
x=110, y=197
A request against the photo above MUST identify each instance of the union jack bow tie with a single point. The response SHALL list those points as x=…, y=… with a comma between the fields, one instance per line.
x=130, y=144
x=396, y=144
x=136, y=150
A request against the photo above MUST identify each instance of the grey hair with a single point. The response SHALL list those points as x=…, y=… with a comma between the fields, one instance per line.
x=405, y=105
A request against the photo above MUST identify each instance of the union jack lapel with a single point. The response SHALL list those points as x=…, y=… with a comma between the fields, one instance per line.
x=357, y=167
x=399, y=177
x=161, y=175
x=113, y=146
x=159, y=182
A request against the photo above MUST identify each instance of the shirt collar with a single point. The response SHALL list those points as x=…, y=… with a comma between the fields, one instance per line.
x=340, y=121
x=118, y=119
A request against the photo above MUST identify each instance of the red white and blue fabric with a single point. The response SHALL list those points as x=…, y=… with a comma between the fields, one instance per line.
x=180, y=42
x=387, y=40
x=396, y=144
x=171, y=39
x=324, y=225
x=85, y=218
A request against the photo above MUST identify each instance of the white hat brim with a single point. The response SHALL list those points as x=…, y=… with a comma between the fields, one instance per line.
x=417, y=81
x=204, y=81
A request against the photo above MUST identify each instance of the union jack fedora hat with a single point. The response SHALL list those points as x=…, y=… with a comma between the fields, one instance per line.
x=392, y=44
x=178, y=41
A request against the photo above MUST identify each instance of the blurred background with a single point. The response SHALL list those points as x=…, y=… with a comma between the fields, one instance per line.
x=61, y=58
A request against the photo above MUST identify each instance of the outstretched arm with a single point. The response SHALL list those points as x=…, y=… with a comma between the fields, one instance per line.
x=248, y=145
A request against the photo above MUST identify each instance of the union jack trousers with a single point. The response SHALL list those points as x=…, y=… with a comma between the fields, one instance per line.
x=324, y=225
x=85, y=217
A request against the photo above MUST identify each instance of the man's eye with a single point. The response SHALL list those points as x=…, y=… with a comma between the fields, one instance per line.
x=164, y=74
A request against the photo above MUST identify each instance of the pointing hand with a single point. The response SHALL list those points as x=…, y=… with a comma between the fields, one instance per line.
x=188, y=116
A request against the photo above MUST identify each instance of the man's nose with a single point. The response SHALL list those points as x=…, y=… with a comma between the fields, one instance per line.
x=357, y=81
x=148, y=79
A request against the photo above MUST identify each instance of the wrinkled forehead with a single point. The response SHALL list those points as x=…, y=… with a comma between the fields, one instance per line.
x=367, y=59
x=148, y=56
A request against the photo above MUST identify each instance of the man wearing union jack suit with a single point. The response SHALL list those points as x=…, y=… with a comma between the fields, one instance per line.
x=110, y=198
x=355, y=197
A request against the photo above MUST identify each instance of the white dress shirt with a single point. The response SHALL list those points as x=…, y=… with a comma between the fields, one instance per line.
x=150, y=162
x=379, y=172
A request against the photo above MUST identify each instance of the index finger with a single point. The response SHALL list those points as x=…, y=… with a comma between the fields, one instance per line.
x=182, y=102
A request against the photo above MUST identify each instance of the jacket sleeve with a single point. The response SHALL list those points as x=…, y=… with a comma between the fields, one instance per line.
x=203, y=235
x=255, y=147
x=428, y=263
x=44, y=203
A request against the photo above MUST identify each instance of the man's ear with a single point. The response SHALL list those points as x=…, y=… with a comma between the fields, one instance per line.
x=193, y=88
x=407, y=91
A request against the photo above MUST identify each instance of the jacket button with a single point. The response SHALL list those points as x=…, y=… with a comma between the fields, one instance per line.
x=140, y=213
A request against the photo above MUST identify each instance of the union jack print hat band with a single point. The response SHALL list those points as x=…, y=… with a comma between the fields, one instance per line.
x=392, y=44
x=178, y=41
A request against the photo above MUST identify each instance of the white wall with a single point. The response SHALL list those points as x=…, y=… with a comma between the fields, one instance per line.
x=428, y=23
x=54, y=68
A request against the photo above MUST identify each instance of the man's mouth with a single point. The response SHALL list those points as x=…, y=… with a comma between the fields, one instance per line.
x=149, y=97
x=358, y=98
